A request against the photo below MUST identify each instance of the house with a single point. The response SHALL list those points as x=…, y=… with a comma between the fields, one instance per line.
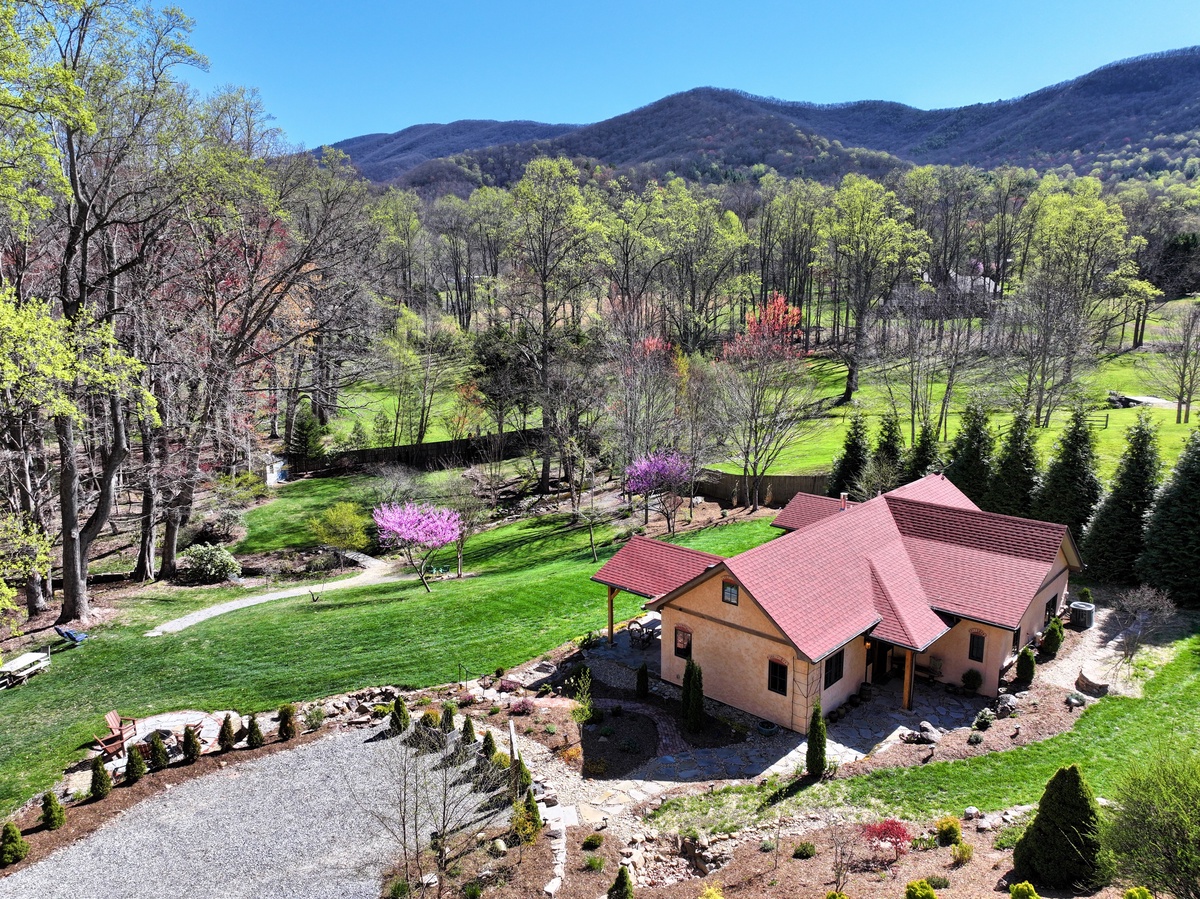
x=917, y=581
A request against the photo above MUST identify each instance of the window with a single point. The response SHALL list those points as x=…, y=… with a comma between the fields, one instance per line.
x=975, y=652
x=1016, y=640
x=777, y=677
x=1051, y=608
x=683, y=643
x=729, y=593
x=834, y=668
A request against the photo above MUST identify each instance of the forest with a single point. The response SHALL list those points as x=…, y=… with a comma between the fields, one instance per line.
x=183, y=293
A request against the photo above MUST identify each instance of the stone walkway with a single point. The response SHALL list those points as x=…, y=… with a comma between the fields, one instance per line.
x=376, y=573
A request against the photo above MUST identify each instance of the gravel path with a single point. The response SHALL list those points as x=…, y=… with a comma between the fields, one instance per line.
x=291, y=825
x=376, y=573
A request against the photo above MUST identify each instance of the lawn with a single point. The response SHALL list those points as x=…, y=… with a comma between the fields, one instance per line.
x=532, y=593
x=282, y=523
x=1111, y=735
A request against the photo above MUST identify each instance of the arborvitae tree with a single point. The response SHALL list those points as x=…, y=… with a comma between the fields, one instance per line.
x=685, y=701
x=531, y=810
x=400, y=720
x=1171, y=557
x=889, y=445
x=254, y=734
x=622, y=887
x=814, y=755
x=468, y=732
x=1061, y=845
x=1026, y=665
x=135, y=766
x=643, y=682
x=101, y=779
x=159, y=757
x=923, y=457
x=489, y=746
x=1015, y=476
x=14, y=847
x=847, y=468
x=53, y=814
x=226, y=738
x=191, y=745
x=1115, y=537
x=970, y=465
x=287, y=721
x=695, y=708
x=1052, y=639
x=519, y=778
x=1070, y=488
x=447, y=721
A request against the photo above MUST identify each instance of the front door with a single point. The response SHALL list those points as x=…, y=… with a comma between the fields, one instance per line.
x=881, y=662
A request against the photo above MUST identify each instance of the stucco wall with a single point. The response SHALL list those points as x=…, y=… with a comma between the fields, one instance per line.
x=733, y=645
x=1033, y=621
x=854, y=672
x=954, y=645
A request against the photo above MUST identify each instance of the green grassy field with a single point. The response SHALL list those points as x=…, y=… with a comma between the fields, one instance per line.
x=531, y=594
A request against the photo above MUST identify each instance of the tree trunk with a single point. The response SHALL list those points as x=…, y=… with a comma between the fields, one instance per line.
x=75, y=597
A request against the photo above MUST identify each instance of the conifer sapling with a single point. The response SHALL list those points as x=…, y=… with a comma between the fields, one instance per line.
x=53, y=814
x=101, y=780
x=254, y=734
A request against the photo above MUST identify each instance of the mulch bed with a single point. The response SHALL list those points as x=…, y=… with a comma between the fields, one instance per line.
x=86, y=817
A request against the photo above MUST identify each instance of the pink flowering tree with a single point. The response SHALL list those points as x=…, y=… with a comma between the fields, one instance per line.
x=417, y=530
x=660, y=476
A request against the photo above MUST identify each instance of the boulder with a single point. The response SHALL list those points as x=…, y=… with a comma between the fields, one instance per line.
x=1006, y=705
x=1084, y=684
x=970, y=813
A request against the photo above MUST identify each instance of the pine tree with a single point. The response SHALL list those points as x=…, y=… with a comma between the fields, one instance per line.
x=1070, y=488
x=468, y=732
x=814, y=754
x=254, y=734
x=532, y=811
x=400, y=719
x=159, y=757
x=307, y=434
x=889, y=451
x=848, y=467
x=1015, y=476
x=447, y=721
x=642, y=690
x=53, y=815
x=695, y=708
x=226, y=738
x=1061, y=845
x=191, y=745
x=622, y=887
x=381, y=429
x=135, y=766
x=1171, y=557
x=358, y=436
x=685, y=701
x=1116, y=535
x=101, y=779
x=970, y=465
x=287, y=721
x=923, y=457
x=489, y=746
x=14, y=847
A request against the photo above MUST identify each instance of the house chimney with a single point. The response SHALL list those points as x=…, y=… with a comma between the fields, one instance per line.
x=842, y=502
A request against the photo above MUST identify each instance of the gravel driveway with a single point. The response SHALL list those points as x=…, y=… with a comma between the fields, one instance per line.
x=289, y=825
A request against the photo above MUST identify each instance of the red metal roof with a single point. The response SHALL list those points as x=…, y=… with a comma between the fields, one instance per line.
x=807, y=508
x=650, y=568
x=892, y=564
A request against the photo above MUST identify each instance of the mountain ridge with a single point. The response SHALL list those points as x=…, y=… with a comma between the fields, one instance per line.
x=1138, y=115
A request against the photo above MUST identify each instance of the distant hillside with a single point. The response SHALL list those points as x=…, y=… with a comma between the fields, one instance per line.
x=382, y=157
x=1126, y=119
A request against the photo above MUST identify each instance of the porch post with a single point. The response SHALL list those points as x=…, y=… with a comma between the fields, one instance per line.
x=909, y=672
x=612, y=591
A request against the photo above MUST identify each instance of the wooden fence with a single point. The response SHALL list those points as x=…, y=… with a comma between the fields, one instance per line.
x=776, y=489
x=424, y=456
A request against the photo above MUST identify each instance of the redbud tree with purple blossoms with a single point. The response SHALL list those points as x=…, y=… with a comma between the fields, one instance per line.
x=417, y=530
x=660, y=476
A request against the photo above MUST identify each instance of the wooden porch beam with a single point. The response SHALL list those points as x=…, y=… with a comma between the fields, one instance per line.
x=910, y=671
x=612, y=592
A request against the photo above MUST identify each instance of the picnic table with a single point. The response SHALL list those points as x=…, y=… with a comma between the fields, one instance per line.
x=18, y=670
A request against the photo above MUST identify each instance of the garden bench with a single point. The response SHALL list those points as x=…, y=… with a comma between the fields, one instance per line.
x=23, y=667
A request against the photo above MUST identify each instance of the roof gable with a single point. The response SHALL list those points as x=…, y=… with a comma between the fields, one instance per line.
x=650, y=568
x=804, y=509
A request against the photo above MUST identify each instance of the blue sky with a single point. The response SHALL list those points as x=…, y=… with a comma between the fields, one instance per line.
x=328, y=71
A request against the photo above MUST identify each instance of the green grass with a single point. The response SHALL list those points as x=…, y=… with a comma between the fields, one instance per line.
x=1108, y=737
x=532, y=594
x=282, y=523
